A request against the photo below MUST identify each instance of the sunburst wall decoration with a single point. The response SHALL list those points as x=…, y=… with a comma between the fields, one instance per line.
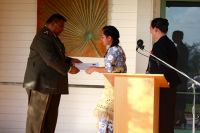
x=85, y=20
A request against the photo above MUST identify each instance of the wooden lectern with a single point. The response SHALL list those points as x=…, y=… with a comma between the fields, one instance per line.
x=136, y=101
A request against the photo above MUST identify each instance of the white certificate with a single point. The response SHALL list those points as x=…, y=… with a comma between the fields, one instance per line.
x=84, y=66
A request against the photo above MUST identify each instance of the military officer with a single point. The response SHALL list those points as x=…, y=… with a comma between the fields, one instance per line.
x=46, y=76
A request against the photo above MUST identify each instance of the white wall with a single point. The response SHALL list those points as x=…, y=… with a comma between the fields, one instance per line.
x=144, y=18
x=147, y=10
x=17, y=29
x=75, y=114
x=123, y=15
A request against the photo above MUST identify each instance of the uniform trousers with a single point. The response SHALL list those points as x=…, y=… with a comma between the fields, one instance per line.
x=42, y=112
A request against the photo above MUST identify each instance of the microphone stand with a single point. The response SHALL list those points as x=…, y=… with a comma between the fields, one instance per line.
x=185, y=75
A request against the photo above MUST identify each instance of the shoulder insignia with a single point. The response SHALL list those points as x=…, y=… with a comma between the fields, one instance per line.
x=46, y=32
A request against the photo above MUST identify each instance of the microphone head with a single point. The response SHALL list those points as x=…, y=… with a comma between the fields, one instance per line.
x=140, y=44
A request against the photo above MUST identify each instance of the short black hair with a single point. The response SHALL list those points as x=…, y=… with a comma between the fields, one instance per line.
x=55, y=17
x=160, y=23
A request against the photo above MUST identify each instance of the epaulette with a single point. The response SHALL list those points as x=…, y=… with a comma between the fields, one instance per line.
x=47, y=32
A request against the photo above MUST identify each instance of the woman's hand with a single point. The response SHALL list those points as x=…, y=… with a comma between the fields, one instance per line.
x=90, y=70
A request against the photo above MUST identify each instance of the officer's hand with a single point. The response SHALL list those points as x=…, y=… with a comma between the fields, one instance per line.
x=73, y=70
x=74, y=60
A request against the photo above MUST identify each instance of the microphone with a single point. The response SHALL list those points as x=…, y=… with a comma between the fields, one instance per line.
x=140, y=44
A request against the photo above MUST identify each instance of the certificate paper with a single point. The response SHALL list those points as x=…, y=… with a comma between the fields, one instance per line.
x=84, y=66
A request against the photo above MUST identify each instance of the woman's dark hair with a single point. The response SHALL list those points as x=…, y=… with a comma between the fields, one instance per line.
x=113, y=32
x=160, y=23
x=55, y=17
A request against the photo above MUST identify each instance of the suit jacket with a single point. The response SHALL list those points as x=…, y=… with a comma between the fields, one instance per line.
x=47, y=65
x=164, y=49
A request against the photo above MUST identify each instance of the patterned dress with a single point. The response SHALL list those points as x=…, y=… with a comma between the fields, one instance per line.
x=114, y=63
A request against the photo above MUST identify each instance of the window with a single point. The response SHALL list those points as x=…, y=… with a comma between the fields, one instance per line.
x=184, y=26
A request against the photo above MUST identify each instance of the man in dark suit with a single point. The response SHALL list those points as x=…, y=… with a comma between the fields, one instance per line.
x=46, y=76
x=164, y=49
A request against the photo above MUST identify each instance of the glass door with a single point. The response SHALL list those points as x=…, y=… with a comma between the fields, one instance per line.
x=184, y=30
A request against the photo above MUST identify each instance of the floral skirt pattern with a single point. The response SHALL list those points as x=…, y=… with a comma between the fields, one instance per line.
x=104, y=109
x=105, y=126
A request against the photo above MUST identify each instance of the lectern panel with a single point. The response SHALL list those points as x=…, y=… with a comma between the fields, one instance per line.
x=134, y=105
x=136, y=101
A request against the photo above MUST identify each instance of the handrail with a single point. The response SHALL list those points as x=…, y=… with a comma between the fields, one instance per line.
x=70, y=85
